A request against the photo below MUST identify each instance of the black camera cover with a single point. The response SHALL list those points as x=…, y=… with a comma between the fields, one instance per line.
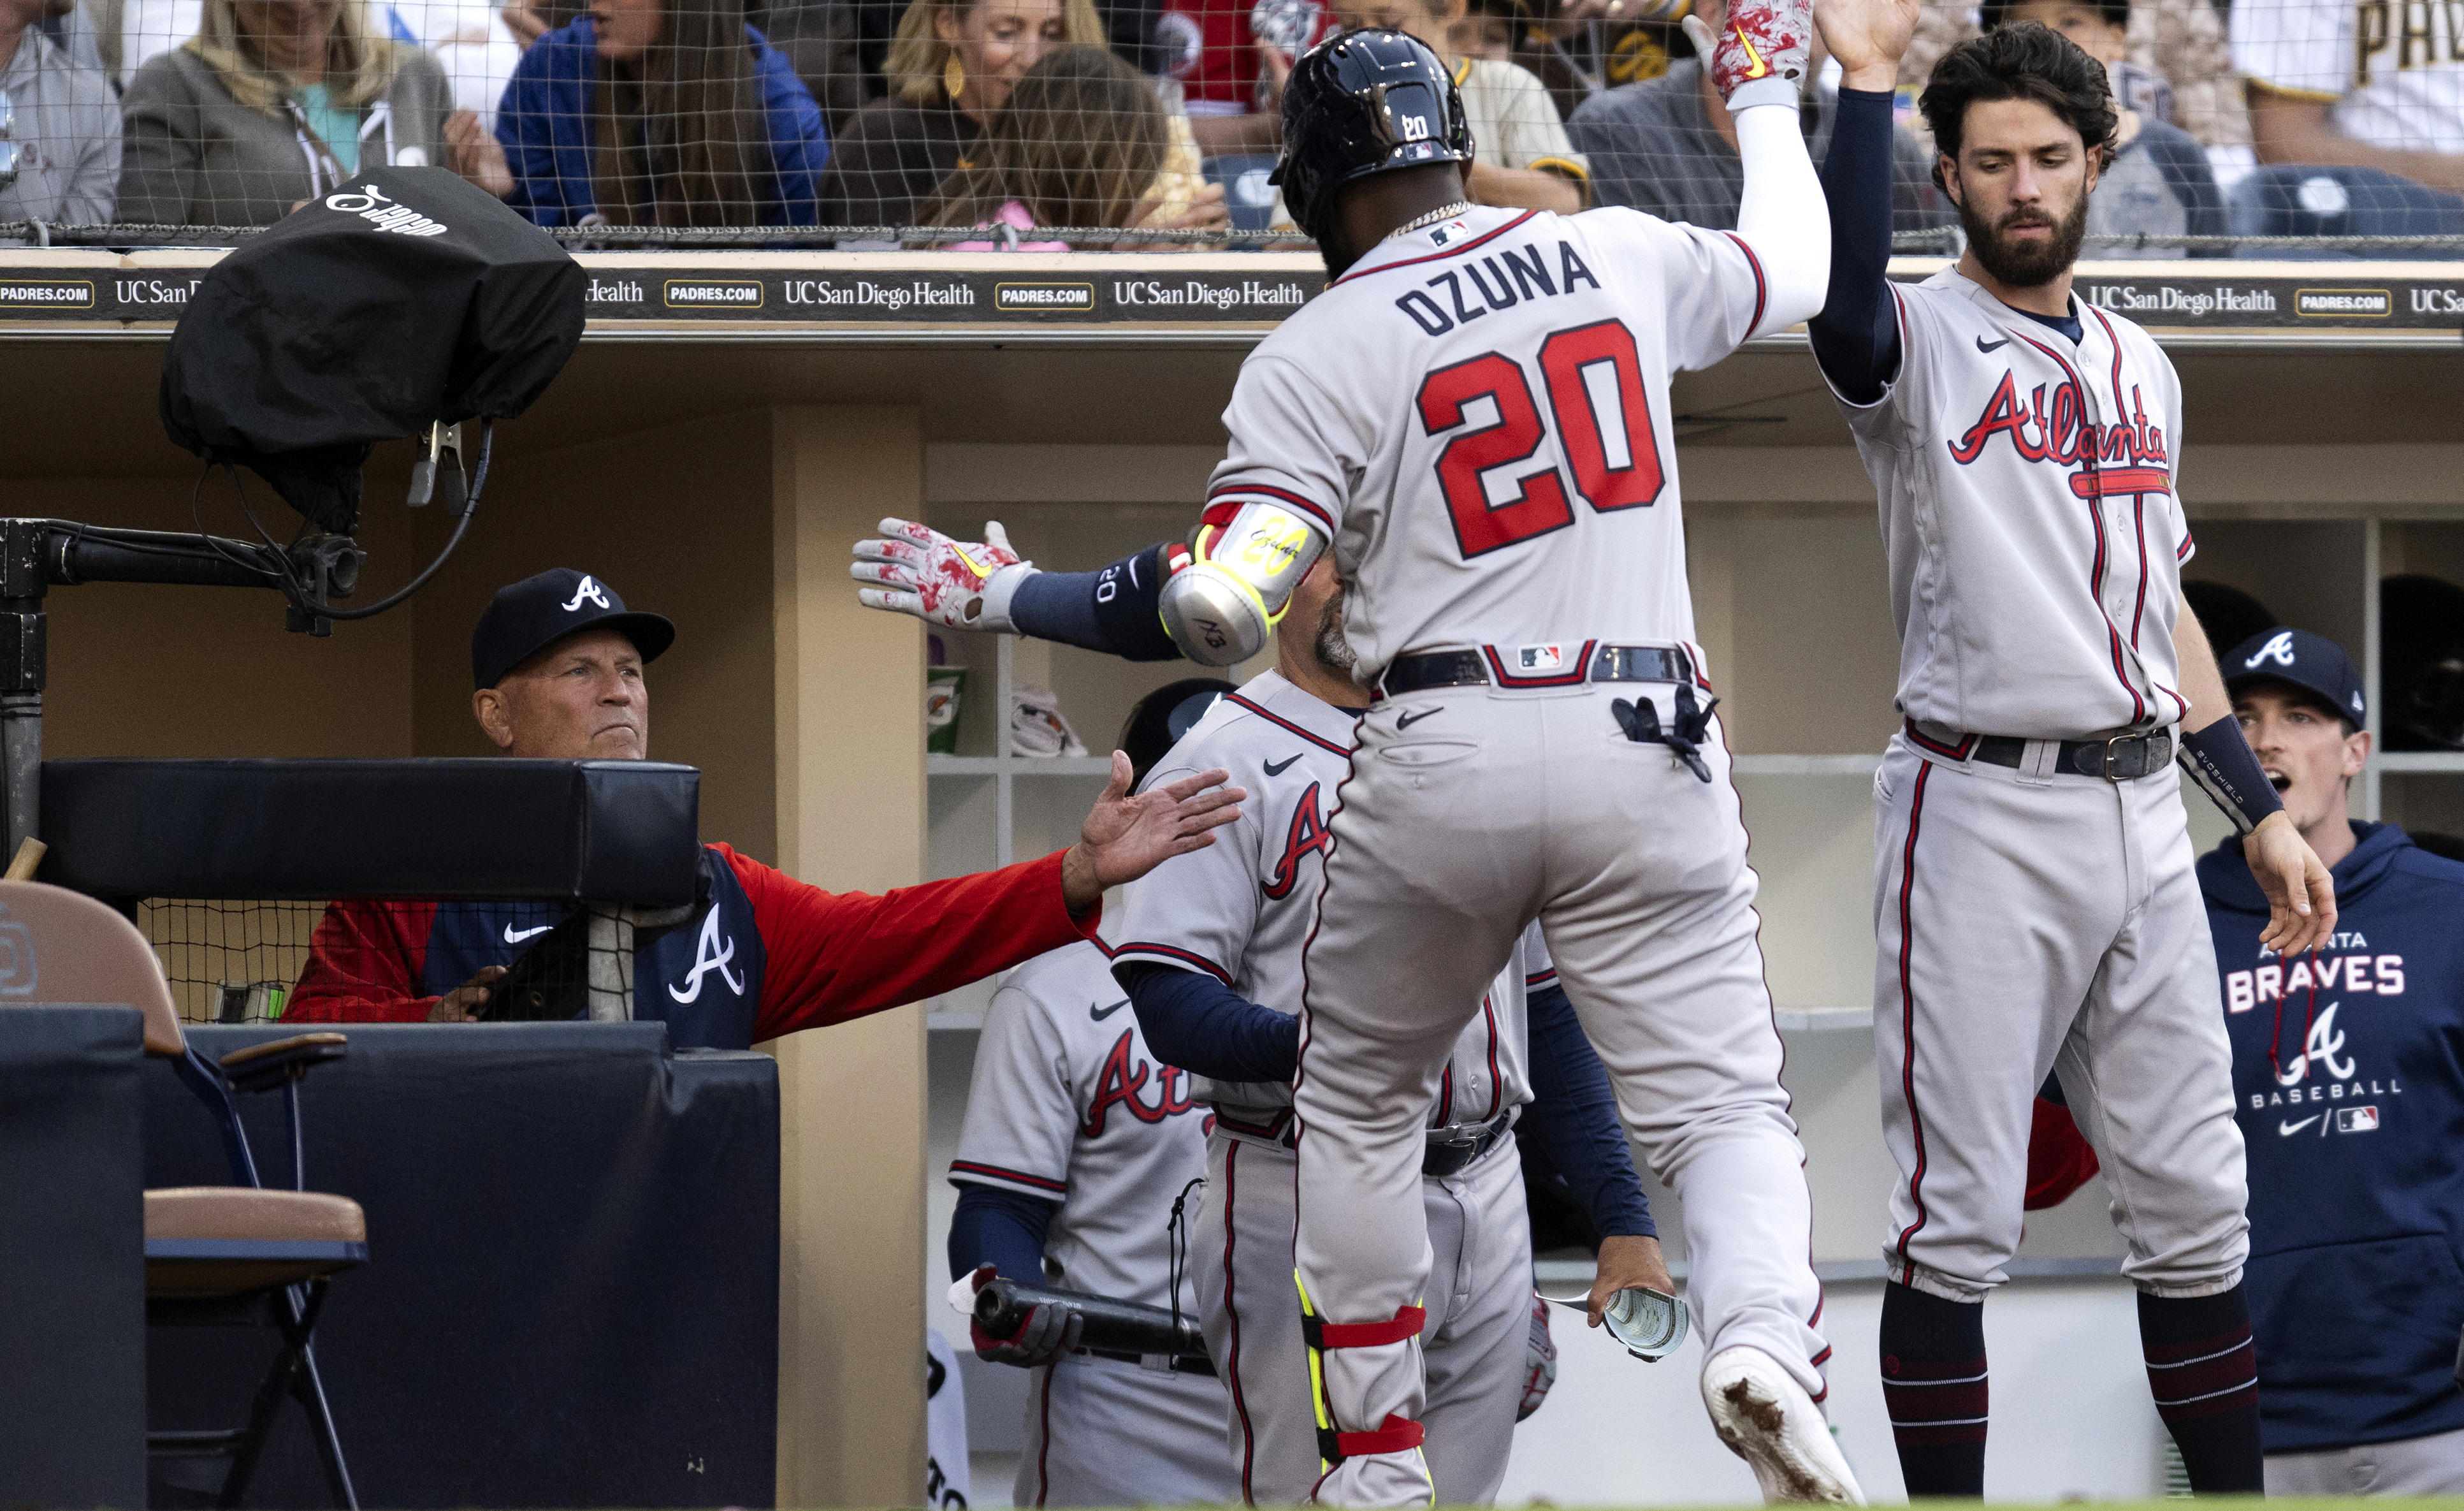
x=404, y=298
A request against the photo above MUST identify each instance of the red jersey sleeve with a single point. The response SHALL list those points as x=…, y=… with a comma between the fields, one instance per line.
x=829, y=957
x=364, y=965
x=2059, y=1160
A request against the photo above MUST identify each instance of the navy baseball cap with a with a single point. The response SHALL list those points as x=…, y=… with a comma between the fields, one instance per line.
x=535, y=612
x=2311, y=662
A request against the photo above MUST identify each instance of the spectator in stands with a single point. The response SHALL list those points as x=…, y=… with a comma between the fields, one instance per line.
x=1523, y=157
x=273, y=102
x=560, y=664
x=2177, y=45
x=1668, y=146
x=1080, y=141
x=1232, y=77
x=2158, y=182
x=1582, y=48
x=661, y=113
x=67, y=126
x=952, y=66
x=2367, y=85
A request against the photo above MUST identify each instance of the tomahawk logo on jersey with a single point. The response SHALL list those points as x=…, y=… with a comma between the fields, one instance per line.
x=1534, y=415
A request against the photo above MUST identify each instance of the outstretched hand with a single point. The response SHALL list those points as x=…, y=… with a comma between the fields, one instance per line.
x=2300, y=893
x=940, y=580
x=1125, y=837
x=1868, y=37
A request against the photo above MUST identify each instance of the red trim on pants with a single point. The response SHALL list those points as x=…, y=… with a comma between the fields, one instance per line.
x=1909, y=1006
x=1232, y=1311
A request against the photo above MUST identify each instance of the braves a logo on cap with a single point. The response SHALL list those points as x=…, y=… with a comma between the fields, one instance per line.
x=590, y=592
x=1539, y=657
x=2279, y=650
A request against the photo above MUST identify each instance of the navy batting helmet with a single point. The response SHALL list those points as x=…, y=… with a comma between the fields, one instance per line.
x=1364, y=103
x=1162, y=717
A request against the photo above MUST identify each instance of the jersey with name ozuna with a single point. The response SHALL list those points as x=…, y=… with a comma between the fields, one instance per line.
x=1242, y=910
x=1477, y=415
x=2026, y=485
x=1068, y=1105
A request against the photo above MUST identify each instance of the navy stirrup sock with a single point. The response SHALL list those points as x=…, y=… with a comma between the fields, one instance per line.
x=2204, y=1371
x=1933, y=1380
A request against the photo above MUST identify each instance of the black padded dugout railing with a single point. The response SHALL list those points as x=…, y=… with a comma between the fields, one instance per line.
x=262, y=840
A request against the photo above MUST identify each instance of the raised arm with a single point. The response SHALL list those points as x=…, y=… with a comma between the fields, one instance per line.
x=982, y=585
x=1758, y=63
x=1856, y=337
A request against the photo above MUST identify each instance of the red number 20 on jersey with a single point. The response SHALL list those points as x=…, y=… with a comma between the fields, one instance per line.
x=1622, y=476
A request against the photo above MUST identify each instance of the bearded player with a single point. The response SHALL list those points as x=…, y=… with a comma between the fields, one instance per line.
x=1474, y=418
x=2036, y=904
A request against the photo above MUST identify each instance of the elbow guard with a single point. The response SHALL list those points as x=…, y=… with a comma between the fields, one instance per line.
x=1244, y=564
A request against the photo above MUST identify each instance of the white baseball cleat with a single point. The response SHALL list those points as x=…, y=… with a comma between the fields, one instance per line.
x=1768, y=1420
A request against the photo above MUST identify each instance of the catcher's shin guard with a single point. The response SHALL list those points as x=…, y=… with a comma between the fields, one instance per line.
x=1396, y=1434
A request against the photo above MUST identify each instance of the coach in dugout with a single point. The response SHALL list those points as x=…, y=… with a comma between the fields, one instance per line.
x=2349, y=1083
x=559, y=663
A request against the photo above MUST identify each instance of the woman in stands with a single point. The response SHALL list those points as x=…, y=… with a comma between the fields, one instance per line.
x=951, y=70
x=1080, y=141
x=277, y=102
x=661, y=113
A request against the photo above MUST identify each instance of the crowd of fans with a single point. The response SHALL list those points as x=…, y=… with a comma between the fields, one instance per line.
x=1014, y=115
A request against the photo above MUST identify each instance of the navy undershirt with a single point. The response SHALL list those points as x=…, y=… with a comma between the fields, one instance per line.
x=1001, y=1227
x=1192, y=1020
x=1080, y=609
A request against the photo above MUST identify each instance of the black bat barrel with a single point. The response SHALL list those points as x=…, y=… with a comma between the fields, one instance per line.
x=1122, y=1326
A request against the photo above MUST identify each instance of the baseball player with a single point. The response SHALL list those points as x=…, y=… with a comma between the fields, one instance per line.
x=2034, y=901
x=1211, y=957
x=1474, y=418
x=1078, y=1149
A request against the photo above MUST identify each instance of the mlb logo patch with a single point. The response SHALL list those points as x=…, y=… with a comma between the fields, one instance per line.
x=2357, y=1119
x=1540, y=657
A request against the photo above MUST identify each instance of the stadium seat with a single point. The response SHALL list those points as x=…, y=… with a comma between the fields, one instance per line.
x=1246, y=194
x=2293, y=199
x=213, y=1255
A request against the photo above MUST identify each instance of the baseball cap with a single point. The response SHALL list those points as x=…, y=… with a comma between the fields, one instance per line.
x=538, y=612
x=2311, y=662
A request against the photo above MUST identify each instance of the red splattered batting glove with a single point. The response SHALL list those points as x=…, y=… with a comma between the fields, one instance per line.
x=965, y=585
x=1044, y=1335
x=1539, y=1360
x=1761, y=53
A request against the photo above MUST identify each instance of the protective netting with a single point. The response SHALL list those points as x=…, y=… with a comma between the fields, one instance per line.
x=1049, y=124
x=362, y=961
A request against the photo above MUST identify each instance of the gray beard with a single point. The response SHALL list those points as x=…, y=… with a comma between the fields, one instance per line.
x=1329, y=649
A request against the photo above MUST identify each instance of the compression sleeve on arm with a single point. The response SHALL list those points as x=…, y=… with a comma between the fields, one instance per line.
x=1002, y=1228
x=1573, y=1119
x=1113, y=610
x=2220, y=759
x=1781, y=214
x=1857, y=336
x=1197, y=1023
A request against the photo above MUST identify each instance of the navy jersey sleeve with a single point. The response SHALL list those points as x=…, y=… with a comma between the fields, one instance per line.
x=1857, y=336
x=1000, y=1228
x=1196, y=1022
x=1115, y=609
x=1573, y=1119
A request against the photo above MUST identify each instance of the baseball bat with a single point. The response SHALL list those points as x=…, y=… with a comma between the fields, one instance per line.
x=1126, y=1327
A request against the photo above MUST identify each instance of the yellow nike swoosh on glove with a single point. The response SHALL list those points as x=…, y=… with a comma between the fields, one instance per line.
x=961, y=552
x=1760, y=67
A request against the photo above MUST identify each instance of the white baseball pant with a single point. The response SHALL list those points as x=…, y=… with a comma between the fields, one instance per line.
x=2030, y=920
x=1469, y=812
x=1479, y=1300
x=1109, y=1432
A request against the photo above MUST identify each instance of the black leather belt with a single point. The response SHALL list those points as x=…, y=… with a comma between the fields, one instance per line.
x=1609, y=663
x=2122, y=758
x=1178, y=1364
x=1453, y=1154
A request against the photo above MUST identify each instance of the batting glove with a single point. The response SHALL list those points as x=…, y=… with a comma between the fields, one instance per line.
x=1044, y=1335
x=1761, y=55
x=964, y=584
x=1539, y=1360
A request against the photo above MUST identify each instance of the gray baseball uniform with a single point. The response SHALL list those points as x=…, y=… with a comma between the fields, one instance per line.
x=1242, y=910
x=1514, y=497
x=1068, y=1104
x=2035, y=917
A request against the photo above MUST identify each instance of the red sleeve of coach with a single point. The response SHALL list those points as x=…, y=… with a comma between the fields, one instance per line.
x=2059, y=1160
x=364, y=965
x=829, y=956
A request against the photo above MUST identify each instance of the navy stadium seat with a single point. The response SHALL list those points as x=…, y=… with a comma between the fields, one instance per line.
x=2293, y=199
